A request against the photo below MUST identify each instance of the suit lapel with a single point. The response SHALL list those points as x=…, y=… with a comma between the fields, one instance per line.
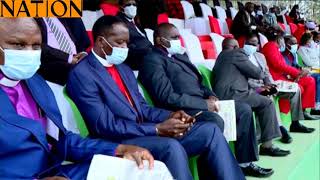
x=46, y=101
x=108, y=81
x=187, y=66
x=9, y=114
x=132, y=94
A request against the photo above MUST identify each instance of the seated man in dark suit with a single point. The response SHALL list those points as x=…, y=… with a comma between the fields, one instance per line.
x=139, y=45
x=34, y=142
x=64, y=44
x=107, y=95
x=231, y=73
x=175, y=83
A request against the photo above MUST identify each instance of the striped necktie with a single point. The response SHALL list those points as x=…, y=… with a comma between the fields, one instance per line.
x=63, y=41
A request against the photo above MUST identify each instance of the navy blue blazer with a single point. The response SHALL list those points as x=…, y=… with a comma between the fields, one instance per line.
x=105, y=109
x=25, y=153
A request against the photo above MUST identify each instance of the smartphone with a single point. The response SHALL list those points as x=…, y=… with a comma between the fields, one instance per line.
x=198, y=114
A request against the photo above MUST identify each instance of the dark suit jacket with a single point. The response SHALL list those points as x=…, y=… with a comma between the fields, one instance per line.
x=241, y=25
x=106, y=111
x=231, y=73
x=54, y=63
x=25, y=153
x=173, y=83
x=138, y=45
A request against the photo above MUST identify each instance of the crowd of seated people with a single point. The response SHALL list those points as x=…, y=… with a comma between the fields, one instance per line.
x=184, y=122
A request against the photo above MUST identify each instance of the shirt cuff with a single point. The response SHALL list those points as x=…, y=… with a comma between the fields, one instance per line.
x=70, y=59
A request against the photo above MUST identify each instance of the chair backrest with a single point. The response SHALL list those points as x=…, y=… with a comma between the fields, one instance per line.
x=206, y=10
x=229, y=22
x=223, y=26
x=90, y=17
x=179, y=23
x=233, y=11
x=199, y=26
x=217, y=40
x=214, y=25
x=192, y=45
x=208, y=48
x=206, y=75
x=145, y=94
x=221, y=13
x=263, y=40
x=163, y=18
x=188, y=10
x=109, y=9
x=149, y=33
x=68, y=117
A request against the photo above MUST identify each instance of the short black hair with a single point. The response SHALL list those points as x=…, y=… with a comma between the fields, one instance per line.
x=162, y=29
x=120, y=2
x=305, y=38
x=104, y=24
x=315, y=34
x=287, y=38
x=251, y=35
x=273, y=33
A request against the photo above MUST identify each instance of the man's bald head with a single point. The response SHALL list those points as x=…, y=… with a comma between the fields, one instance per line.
x=230, y=43
x=167, y=32
x=19, y=34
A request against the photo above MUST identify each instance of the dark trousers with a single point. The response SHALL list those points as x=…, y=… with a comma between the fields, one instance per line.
x=246, y=148
x=265, y=111
x=204, y=139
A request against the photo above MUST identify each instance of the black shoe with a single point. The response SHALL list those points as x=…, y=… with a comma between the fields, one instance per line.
x=308, y=116
x=315, y=112
x=286, y=138
x=297, y=127
x=256, y=171
x=273, y=151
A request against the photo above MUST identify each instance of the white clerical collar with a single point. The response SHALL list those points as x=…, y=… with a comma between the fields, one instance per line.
x=8, y=82
x=104, y=62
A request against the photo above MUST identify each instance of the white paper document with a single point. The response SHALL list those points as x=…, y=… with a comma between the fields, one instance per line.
x=286, y=86
x=227, y=112
x=113, y=168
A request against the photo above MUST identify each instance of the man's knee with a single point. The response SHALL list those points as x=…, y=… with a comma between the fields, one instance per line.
x=243, y=110
x=172, y=146
x=266, y=101
x=214, y=117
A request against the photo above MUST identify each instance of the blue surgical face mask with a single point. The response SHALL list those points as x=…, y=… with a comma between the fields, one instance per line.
x=282, y=48
x=250, y=49
x=118, y=55
x=20, y=64
x=293, y=49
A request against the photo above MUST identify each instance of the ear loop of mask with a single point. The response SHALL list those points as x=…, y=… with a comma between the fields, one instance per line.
x=108, y=45
x=167, y=41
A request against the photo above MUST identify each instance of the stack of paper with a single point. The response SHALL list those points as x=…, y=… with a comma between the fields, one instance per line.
x=228, y=113
x=112, y=168
x=286, y=86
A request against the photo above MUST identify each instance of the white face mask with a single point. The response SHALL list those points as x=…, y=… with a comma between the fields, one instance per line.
x=118, y=55
x=130, y=11
x=20, y=64
x=175, y=47
x=260, y=13
x=249, y=49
